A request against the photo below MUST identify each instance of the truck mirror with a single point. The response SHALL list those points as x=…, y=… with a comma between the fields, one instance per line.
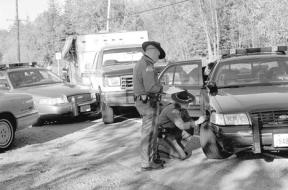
x=213, y=89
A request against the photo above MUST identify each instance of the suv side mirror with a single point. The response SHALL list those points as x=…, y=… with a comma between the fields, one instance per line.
x=213, y=89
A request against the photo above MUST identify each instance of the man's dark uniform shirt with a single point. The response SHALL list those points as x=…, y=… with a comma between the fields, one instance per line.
x=145, y=78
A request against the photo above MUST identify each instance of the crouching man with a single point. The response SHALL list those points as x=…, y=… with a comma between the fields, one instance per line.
x=172, y=124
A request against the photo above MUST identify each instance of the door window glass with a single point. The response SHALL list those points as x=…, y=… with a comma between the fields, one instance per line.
x=187, y=75
x=167, y=77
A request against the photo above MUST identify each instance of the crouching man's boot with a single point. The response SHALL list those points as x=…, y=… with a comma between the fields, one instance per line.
x=152, y=166
x=157, y=160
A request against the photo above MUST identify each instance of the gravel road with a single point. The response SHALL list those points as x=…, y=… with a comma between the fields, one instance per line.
x=90, y=155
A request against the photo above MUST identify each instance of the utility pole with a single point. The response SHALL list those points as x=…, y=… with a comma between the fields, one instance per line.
x=108, y=16
x=18, y=33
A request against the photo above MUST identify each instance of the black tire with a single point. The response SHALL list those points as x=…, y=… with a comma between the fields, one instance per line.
x=244, y=154
x=93, y=116
x=241, y=154
x=210, y=145
x=7, y=133
x=107, y=114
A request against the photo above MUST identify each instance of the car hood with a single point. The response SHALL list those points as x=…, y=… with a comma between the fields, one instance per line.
x=249, y=99
x=53, y=90
x=118, y=69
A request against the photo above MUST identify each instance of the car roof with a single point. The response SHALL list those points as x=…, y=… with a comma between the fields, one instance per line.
x=184, y=62
x=257, y=56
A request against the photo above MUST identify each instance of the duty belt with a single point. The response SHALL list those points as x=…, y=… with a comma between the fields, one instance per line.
x=153, y=98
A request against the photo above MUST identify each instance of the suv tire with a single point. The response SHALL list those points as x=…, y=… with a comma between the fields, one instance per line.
x=210, y=145
x=107, y=114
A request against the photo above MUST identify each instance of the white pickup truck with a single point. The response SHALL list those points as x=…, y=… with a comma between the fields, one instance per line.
x=105, y=63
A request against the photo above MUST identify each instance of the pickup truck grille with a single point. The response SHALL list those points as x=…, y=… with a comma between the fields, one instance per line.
x=80, y=98
x=271, y=118
x=127, y=82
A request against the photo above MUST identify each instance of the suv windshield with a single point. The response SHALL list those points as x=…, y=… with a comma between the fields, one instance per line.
x=122, y=56
x=32, y=77
x=251, y=72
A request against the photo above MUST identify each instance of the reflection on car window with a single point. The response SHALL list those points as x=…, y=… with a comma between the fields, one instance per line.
x=182, y=75
x=167, y=78
x=232, y=73
x=187, y=75
x=24, y=78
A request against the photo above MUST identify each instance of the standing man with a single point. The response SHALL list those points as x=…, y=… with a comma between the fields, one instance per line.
x=146, y=86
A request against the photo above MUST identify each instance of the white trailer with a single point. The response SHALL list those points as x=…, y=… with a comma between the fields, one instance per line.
x=84, y=49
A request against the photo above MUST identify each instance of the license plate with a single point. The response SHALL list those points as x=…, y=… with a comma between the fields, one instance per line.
x=280, y=140
x=85, y=108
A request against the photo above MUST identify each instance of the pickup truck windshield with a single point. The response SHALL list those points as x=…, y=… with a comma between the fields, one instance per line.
x=251, y=72
x=122, y=56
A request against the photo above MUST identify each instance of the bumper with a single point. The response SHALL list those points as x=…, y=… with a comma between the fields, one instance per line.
x=118, y=98
x=27, y=120
x=235, y=138
x=54, y=109
x=69, y=109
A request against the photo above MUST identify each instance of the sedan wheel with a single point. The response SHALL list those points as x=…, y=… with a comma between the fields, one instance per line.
x=7, y=134
x=210, y=145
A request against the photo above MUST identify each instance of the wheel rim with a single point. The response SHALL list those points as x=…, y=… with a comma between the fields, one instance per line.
x=6, y=134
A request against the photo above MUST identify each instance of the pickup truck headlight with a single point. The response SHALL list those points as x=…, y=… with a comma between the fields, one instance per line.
x=53, y=101
x=112, y=81
x=230, y=119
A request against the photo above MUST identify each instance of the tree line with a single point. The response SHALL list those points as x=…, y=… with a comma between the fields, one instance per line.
x=186, y=29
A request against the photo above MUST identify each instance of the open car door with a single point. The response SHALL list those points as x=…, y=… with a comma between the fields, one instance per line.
x=186, y=75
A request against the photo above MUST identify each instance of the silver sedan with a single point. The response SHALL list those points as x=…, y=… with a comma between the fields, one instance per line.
x=17, y=111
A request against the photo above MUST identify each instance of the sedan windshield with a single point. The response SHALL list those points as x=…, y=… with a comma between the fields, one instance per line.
x=32, y=77
x=251, y=72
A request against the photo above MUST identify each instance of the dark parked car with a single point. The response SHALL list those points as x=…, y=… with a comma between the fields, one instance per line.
x=246, y=101
x=52, y=96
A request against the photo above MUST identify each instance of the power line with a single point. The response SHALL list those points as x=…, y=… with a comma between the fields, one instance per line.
x=141, y=12
x=160, y=7
x=149, y=10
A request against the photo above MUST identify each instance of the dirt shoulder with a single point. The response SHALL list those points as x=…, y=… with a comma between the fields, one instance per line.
x=107, y=157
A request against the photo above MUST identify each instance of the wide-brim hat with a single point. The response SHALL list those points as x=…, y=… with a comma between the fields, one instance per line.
x=183, y=97
x=156, y=45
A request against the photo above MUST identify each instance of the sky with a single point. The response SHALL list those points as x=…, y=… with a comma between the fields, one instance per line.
x=26, y=9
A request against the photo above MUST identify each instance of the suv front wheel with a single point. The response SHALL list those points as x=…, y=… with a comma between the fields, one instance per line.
x=107, y=114
x=210, y=145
